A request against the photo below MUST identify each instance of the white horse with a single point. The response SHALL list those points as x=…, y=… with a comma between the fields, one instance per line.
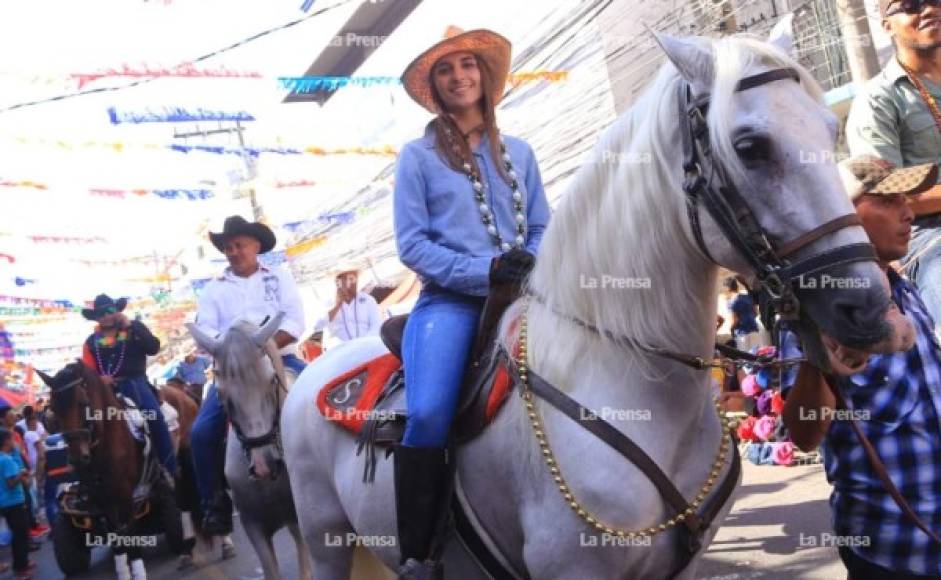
x=252, y=386
x=620, y=254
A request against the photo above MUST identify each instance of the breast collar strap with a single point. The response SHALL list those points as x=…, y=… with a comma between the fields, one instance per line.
x=707, y=182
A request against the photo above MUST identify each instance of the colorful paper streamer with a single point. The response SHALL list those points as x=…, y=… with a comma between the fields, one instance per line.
x=190, y=194
x=175, y=115
x=185, y=70
x=310, y=84
x=305, y=246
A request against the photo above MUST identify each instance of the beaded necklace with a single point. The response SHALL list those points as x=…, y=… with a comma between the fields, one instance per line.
x=107, y=341
x=486, y=214
x=925, y=95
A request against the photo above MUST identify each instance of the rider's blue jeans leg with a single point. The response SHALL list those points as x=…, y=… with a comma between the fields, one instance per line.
x=207, y=439
x=138, y=390
x=435, y=348
x=924, y=251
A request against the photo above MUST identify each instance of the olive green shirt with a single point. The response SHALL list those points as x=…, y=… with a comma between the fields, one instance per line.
x=890, y=120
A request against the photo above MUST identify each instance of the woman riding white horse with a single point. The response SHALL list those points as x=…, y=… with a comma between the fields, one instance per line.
x=549, y=498
x=469, y=208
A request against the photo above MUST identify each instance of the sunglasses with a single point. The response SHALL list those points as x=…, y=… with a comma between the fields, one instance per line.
x=911, y=6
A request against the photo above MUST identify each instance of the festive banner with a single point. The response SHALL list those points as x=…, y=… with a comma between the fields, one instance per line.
x=310, y=84
x=122, y=262
x=305, y=246
x=120, y=147
x=30, y=184
x=190, y=194
x=175, y=115
x=301, y=183
x=67, y=240
x=186, y=70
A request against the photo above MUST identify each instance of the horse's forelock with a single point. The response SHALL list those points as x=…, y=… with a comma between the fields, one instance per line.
x=238, y=354
x=734, y=58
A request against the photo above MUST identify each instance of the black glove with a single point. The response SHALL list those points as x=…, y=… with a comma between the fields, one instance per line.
x=511, y=267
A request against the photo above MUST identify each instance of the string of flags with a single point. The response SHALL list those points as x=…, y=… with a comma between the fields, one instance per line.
x=119, y=147
x=185, y=70
x=190, y=194
x=175, y=115
x=309, y=84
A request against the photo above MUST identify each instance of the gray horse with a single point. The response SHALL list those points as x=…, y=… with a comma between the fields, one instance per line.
x=252, y=386
x=622, y=256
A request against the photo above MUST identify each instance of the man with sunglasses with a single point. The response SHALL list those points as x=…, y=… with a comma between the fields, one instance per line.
x=897, y=118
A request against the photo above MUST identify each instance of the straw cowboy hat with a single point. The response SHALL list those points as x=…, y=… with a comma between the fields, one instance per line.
x=236, y=225
x=487, y=45
x=346, y=268
x=103, y=305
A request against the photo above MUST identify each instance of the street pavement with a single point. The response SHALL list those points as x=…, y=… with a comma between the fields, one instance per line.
x=776, y=510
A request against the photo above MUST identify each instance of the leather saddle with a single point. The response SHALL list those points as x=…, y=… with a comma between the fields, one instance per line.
x=476, y=392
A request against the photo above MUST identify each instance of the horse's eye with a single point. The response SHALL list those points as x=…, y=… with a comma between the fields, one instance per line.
x=752, y=150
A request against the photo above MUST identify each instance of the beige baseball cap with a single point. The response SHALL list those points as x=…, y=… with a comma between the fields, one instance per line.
x=865, y=174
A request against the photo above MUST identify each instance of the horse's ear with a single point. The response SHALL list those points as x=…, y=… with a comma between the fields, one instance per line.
x=208, y=343
x=782, y=35
x=692, y=56
x=45, y=378
x=267, y=331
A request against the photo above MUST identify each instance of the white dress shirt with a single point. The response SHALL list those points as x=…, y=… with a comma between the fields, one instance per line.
x=356, y=318
x=228, y=298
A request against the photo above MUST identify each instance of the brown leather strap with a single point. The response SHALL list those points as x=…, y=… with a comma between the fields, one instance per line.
x=850, y=219
x=879, y=468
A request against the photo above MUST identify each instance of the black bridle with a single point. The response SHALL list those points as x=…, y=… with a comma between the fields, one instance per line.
x=707, y=183
x=273, y=436
x=84, y=433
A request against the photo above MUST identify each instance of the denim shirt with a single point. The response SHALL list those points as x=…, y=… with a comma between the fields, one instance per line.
x=438, y=229
x=890, y=120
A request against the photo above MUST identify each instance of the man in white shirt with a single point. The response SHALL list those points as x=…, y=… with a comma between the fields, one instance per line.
x=245, y=290
x=355, y=313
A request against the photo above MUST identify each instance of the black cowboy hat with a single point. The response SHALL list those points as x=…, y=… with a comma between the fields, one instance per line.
x=236, y=225
x=104, y=304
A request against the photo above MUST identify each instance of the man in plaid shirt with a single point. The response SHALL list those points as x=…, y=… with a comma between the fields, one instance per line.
x=895, y=398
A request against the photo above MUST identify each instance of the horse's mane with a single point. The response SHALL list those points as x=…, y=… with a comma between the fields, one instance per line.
x=624, y=216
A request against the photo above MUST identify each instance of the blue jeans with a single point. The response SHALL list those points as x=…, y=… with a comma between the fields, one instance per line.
x=138, y=390
x=925, y=270
x=435, y=349
x=207, y=437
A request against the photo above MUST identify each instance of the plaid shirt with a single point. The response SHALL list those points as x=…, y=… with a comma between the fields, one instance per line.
x=898, y=399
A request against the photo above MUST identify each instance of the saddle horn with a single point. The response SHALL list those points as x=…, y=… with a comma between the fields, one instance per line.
x=267, y=330
x=209, y=343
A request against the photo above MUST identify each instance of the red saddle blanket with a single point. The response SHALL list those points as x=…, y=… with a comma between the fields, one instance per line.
x=350, y=399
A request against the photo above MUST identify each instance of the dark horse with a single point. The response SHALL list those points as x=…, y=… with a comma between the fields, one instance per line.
x=111, y=463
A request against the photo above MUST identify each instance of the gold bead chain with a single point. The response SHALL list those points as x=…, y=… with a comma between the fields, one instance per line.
x=553, y=465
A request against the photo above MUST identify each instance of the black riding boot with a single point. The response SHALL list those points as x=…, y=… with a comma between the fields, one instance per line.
x=217, y=516
x=421, y=480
